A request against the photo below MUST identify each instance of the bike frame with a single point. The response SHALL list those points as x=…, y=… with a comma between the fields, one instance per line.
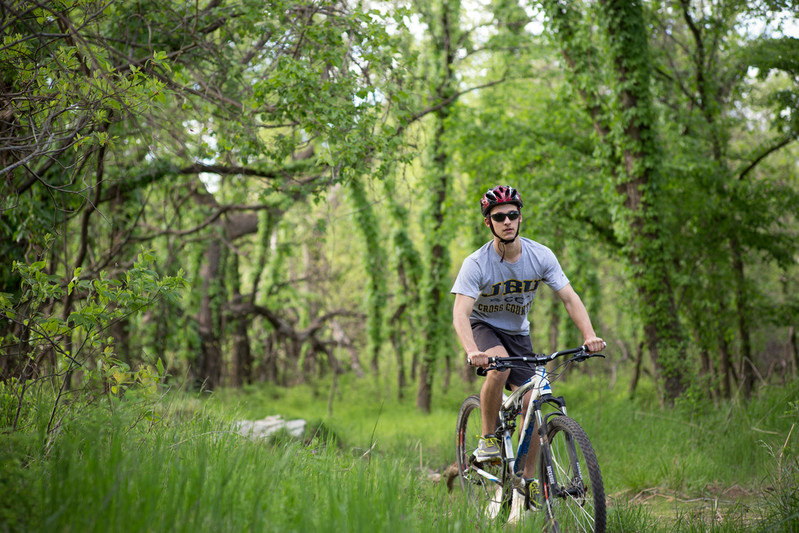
x=541, y=392
x=558, y=459
x=540, y=387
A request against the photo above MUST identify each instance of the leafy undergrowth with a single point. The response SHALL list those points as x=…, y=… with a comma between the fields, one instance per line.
x=198, y=475
x=693, y=467
x=369, y=462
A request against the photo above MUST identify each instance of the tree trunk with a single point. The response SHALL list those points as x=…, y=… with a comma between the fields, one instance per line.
x=706, y=371
x=408, y=268
x=343, y=340
x=793, y=351
x=748, y=368
x=424, y=393
x=725, y=366
x=625, y=26
x=399, y=352
x=447, y=373
x=269, y=362
x=445, y=32
x=374, y=258
x=632, y=158
x=639, y=357
x=208, y=371
x=433, y=310
x=242, y=355
x=119, y=329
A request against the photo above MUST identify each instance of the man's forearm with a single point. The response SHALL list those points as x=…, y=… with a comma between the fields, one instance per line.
x=577, y=312
x=460, y=321
x=464, y=331
x=583, y=322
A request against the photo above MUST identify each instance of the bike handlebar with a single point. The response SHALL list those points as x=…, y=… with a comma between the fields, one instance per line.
x=500, y=363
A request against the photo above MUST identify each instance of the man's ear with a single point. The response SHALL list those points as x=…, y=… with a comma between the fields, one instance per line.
x=486, y=222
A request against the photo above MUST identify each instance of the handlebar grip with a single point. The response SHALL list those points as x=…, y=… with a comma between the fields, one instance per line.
x=584, y=347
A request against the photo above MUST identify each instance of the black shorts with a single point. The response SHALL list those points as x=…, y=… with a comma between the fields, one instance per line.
x=487, y=337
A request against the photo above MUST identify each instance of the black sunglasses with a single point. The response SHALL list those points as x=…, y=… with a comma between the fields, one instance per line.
x=500, y=217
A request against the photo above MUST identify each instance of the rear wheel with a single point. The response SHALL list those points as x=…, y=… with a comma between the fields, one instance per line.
x=487, y=486
x=572, y=493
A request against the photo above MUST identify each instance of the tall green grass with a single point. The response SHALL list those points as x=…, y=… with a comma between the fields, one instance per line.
x=689, y=449
x=199, y=476
x=697, y=465
x=692, y=448
x=365, y=464
x=364, y=414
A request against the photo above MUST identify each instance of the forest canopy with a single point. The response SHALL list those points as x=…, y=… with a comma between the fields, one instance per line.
x=227, y=192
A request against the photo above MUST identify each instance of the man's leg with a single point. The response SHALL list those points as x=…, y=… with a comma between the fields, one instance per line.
x=491, y=393
x=518, y=506
x=535, y=443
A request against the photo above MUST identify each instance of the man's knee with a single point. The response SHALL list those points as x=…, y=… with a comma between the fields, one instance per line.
x=497, y=379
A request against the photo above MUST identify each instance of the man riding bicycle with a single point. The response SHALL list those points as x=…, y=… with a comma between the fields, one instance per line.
x=494, y=291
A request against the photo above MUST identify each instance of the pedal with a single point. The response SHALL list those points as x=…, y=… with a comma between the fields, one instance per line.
x=490, y=461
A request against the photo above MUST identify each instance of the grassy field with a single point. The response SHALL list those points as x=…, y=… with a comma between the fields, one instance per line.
x=368, y=463
x=685, y=449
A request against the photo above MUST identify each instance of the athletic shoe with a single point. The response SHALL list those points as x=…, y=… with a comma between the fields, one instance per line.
x=487, y=449
x=534, y=491
x=517, y=507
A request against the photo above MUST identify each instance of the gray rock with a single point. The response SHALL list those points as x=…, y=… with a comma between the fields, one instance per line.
x=260, y=429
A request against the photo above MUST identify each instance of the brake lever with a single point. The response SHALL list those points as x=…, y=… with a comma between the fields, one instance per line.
x=584, y=356
x=495, y=365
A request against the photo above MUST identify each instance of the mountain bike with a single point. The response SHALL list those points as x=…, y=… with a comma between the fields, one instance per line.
x=568, y=494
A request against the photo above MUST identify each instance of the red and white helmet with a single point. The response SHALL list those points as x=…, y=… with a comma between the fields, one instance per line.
x=501, y=194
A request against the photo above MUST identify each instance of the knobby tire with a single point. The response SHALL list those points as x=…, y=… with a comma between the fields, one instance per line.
x=577, y=503
x=489, y=500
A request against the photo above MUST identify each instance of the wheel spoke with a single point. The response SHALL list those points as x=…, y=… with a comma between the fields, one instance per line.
x=577, y=503
x=486, y=485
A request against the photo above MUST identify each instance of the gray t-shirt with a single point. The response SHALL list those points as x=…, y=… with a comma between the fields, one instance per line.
x=504, y=291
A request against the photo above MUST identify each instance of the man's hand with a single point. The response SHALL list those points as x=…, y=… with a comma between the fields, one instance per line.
x=594, y=344
x=477, y=359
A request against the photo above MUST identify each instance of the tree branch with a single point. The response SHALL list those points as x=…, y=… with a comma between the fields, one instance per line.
x=210, y=220
x=764, y=154
x=283, y=327
x=446, y=101
x=223, y=170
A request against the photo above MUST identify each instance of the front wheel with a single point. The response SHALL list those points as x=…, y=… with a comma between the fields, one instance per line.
x=487, y=486
x=572, y=493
